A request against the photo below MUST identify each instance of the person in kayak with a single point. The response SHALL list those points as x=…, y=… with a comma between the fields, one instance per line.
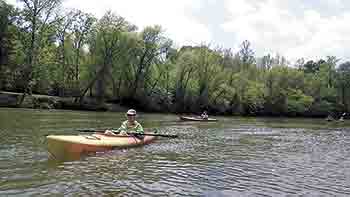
x=128, y=126
x=329, y=118
x=341, y=119
x=204, y=115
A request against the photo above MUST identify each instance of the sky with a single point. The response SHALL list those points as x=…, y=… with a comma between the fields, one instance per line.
x=310, y=29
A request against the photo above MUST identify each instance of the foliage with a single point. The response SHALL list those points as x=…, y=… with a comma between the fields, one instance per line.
x=72, y=53
x=298, y=103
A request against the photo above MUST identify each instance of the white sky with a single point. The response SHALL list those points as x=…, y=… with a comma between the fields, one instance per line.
x=311, y=29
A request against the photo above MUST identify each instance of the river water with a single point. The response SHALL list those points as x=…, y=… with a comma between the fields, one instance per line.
x=233, y=157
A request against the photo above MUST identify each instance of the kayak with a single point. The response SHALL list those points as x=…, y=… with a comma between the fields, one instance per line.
x=188, y=118
x=62, y=147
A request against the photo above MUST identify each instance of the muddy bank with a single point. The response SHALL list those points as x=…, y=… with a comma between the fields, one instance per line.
x=35, y=101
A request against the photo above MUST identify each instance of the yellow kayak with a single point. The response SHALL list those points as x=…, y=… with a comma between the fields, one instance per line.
x=73, y=146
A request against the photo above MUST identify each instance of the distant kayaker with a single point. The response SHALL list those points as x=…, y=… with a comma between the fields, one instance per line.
x=128, y=126
x=204, y=115
x=329, y=118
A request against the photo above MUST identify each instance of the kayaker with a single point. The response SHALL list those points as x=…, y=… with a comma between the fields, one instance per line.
x=329, y=118
x=128, y=126
x=204, y=115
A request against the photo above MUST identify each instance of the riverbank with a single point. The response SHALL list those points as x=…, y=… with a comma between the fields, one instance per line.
x=38, y=101
x=147, y=104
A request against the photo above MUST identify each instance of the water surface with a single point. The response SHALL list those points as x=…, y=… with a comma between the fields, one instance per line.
x=235, y=156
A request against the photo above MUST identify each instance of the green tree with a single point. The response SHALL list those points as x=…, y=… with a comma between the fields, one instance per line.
x=297, y=102
x=5, y=12
x=81, y=28
x=343, y=84
x=5, y=37
x=106, y=47
x=64, y=32
x=184, y=77
x=38, y=15
x=152, y=47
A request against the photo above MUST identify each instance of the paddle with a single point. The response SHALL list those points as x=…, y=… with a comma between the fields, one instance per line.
x=146, y=134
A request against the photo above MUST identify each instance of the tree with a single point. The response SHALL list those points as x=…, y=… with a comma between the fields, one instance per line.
x=324, y=79
x=343, y=84
x=4, y=45
x=38, y=15
x=246, y=53
x=106, y=46
x=184, y=76
x=5, y=11
x=312, y=67
x=331, y=63
x=281, y=82
x=81, y=28
x=63, y=30
x=152, y=47
x=11, y=49
x=300, y=63
x=208, y=68
x=297, y=102
x=266, y=62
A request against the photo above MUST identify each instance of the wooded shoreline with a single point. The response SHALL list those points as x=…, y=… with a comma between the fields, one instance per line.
x=89, y=63
x=37, y=101
x=47, y=102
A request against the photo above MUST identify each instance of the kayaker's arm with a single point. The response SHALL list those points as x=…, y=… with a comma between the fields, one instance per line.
x=123, y=129
x=139, y=129
x=112, y=132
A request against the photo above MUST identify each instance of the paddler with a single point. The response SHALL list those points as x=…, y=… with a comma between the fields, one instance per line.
x=204, y=115
x=128, y=126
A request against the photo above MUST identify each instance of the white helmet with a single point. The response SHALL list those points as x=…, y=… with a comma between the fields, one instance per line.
x=131, y=112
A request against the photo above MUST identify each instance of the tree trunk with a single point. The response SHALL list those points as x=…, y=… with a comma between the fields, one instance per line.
x=91, y=83
x=100, y=89
x=101, y=83
x=77, y=62
x=28, y=71
x=119, y=85
x=114, y=89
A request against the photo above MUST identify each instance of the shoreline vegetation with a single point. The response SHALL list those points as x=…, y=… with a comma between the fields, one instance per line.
x=52, y=57
x=38, y=101
x=47, y=102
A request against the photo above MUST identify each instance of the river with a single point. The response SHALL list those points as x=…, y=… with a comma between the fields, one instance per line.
x=234, y=156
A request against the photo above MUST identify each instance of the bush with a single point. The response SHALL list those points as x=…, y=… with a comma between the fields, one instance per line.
x=321, y=109
x=298, y=103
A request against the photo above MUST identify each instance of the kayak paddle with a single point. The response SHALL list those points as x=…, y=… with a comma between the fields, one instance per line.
x=146, y=134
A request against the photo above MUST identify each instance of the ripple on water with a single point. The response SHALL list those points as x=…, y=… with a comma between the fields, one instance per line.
x=228, y=158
